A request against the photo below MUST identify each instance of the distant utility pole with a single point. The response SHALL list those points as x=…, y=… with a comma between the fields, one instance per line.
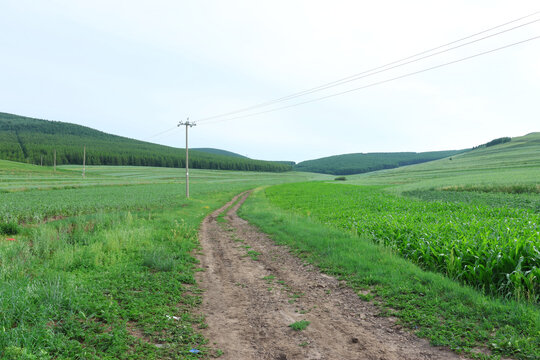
x=187, y=124
x=84, y=162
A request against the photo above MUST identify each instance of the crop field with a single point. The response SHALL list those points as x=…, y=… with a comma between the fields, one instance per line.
x=470, y=224
x=121, y=188
x=102, y=267
x=22, y=177
x=370, y=237
x=495, y=248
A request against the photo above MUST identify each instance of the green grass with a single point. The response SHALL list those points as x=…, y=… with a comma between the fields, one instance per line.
x=110, y=274
x=505, y=189
x=474, y=218
x=299, y=325
x=9, y=228
x=511, y=164
x=492, y=248
x=122, y=188
x=348, y=164
x=101, y=266
x=435, y=307
x=529, y=201
x=253, y=255
x=15, y=177
x=82, y=287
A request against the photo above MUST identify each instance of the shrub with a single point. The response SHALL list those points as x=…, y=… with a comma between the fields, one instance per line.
x=10, y=228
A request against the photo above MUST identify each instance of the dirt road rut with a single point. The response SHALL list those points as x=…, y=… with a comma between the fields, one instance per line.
x=254, y=289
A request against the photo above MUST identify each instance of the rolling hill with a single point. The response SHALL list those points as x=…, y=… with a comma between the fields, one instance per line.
x=220, y=152
x=30, y=140
x=350, y=164
x=507, y=166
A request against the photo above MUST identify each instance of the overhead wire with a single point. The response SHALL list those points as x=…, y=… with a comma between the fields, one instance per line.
x=379, y=69
x=378, y=82
x=161, y=133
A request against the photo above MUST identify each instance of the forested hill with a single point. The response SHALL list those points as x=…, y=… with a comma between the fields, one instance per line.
x=29, y=140
x=220, y=152
x=349, y=164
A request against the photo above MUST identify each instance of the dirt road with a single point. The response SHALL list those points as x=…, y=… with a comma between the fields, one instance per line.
x=254, y=289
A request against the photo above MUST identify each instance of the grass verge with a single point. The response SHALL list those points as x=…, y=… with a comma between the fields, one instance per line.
x=436, y=308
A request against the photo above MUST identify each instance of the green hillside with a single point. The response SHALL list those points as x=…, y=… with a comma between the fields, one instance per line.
x=220, y=152
x=31, y=140
x=505, y=167
x=291, y=163
x=349, y=164
x=233, y=154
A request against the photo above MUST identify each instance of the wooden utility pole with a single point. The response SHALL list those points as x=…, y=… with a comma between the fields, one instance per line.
x=187, y=124
x=84, y=162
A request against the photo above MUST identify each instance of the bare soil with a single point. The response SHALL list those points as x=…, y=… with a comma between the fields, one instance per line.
x=250, y=299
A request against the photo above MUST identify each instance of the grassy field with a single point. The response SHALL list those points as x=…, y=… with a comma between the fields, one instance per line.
x=470, y=223
x=493, y=248
x=430, y=304
x=102, y=267
x=16, y=176
x=112, y=188
x=510, y=165
x=347, y=164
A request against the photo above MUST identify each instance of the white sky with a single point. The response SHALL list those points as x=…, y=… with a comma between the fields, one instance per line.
x=135, y=68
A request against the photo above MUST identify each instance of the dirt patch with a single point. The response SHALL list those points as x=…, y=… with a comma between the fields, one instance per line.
x=254, y=289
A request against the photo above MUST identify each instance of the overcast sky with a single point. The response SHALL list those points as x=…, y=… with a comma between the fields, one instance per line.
x=136, y=68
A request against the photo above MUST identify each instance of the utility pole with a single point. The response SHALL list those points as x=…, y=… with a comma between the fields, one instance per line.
x=84, y=162
x=187, y=124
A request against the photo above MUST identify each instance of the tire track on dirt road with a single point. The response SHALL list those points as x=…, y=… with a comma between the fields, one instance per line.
x=250, y=299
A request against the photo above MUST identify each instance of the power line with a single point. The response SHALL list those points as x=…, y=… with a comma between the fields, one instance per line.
x=378, y=82
x=383, y=68
x=161, y=133
x=380, y=69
